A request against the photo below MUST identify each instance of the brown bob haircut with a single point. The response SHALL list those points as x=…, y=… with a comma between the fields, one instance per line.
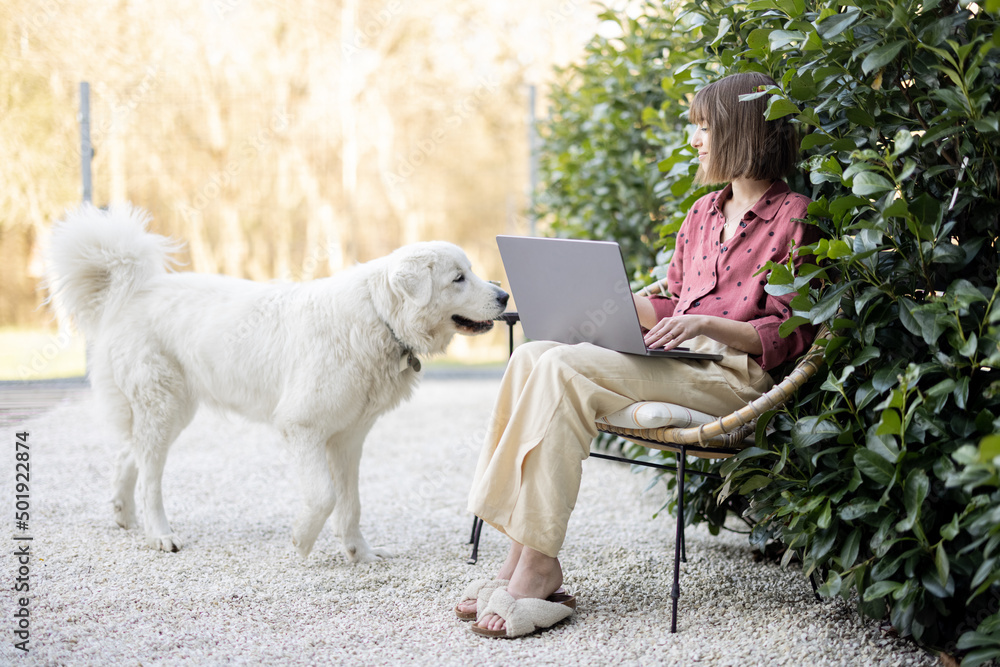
x=743, y=144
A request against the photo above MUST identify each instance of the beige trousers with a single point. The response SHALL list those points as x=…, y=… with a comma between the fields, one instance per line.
x=529, y=470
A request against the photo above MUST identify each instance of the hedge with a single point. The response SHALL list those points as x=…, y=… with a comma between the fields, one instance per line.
x=882, y=477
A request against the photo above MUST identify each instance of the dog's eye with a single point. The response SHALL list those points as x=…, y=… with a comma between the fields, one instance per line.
x=460, y=278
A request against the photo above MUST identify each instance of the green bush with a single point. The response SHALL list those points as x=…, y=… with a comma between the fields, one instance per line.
x=600, y=158
x=882, y=474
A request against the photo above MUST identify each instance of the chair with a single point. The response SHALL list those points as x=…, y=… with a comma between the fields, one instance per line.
x=713, y=438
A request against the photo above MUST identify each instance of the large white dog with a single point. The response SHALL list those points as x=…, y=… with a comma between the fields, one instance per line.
x=319, y=360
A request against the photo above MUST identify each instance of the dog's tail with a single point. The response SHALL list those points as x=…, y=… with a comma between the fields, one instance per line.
x=96, y=260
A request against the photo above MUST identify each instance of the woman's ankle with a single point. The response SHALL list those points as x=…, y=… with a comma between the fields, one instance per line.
x=509, y=565
x=536, y=575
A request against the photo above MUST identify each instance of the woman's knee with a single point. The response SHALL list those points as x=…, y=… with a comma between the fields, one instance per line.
x=570, y=358
x=530, y=352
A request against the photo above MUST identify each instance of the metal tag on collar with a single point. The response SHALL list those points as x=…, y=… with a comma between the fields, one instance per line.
x=408, y=360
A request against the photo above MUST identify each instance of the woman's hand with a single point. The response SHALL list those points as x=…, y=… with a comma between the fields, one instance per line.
x=670, y=332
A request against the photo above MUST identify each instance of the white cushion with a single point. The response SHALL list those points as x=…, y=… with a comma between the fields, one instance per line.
x=652, y=414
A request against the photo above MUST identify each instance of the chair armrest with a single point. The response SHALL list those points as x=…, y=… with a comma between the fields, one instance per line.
x=659, y=287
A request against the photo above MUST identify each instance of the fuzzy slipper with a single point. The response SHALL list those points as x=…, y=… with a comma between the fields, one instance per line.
x=525, y=615
x=479, y=590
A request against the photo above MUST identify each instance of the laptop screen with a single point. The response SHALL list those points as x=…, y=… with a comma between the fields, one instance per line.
x=572, y=291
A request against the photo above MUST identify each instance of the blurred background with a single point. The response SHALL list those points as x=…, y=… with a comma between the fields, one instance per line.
x=278, y=140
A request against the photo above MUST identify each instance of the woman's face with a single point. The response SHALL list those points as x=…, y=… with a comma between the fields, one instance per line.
x=701, y=141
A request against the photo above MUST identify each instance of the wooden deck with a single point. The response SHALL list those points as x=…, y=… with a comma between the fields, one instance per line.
x=21, y=400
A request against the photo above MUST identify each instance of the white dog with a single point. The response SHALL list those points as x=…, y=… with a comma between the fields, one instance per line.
x=319, y=360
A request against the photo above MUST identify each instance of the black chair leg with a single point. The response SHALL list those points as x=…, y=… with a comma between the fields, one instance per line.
x=675, y=592
x=477, y=530
x=812, y=580
x=472, y=535
x=682, y=455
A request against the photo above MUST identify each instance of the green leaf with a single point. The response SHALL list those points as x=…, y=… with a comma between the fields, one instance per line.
x=841, y=205
x=874, y=466
x=814, y=139
x=822, y=542
x=832, y=586
x=758, y=38
x=989, y=448
x=803, y=88
x=833, y=26
x=883, y=445
x=828, y=305
x=890, y=423
x=915, y=490
x=941, y=563
x=869, y=183
x=850, y=548
x=791, y=324
x=754, y=483
x=859, y=116
x=949, y=531
x=781, y=38
x=823, y=521
x=906, y=308
x=858, y=508
x=779, y=107
x=881, y=589
x=882, y=56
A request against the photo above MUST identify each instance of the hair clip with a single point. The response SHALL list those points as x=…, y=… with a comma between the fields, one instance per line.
x=762, y=88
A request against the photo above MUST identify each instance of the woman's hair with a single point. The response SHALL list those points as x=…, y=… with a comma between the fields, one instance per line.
x=743, y=143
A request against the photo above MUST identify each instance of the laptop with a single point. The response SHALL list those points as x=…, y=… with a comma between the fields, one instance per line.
x=574, y=291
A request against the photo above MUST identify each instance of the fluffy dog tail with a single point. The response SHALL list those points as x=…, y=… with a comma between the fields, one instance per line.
x=96, y=260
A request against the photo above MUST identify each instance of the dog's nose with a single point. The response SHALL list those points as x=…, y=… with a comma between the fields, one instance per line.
x=503, y=298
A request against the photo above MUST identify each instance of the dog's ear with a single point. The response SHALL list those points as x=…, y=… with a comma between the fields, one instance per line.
x=411, y=277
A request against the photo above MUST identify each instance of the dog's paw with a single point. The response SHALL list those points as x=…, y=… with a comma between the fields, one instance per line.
x=168, y=543
x=367, y=554
x=124, y=516
x=303, y=549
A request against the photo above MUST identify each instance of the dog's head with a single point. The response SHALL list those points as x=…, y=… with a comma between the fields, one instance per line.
x=433, y=294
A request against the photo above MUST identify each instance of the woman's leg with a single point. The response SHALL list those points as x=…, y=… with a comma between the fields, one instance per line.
x=506, y=572
x=528, y=475
x=536, y=576
x=529, y=470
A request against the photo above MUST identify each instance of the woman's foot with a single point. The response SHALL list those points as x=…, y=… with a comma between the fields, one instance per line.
x=506, y=571
x=535, y=576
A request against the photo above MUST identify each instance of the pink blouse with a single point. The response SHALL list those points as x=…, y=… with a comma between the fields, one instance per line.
x=710, y=277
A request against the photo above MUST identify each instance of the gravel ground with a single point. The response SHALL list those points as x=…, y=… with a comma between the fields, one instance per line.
x=237, y=594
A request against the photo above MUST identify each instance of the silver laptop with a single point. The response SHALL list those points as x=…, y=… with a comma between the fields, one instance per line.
x=573, y=291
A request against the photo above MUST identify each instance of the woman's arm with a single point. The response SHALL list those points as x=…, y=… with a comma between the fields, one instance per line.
x=670, y=332
x=644, y=307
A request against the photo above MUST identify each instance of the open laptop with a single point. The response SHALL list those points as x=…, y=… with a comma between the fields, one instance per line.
x=573, y=291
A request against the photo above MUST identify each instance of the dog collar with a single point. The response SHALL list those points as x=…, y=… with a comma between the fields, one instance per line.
x=406, y=357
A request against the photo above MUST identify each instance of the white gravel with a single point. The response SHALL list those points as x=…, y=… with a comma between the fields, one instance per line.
x=237, y=593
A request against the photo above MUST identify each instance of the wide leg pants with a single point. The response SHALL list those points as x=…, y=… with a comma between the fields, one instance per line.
x=528, y=476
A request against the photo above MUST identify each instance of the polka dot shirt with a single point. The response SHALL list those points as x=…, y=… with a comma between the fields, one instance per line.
x=709, y=276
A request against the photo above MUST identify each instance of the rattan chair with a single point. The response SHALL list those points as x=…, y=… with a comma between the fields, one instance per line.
x=719, y=439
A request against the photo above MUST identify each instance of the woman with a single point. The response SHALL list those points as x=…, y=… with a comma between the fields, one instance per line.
x=528, y=475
